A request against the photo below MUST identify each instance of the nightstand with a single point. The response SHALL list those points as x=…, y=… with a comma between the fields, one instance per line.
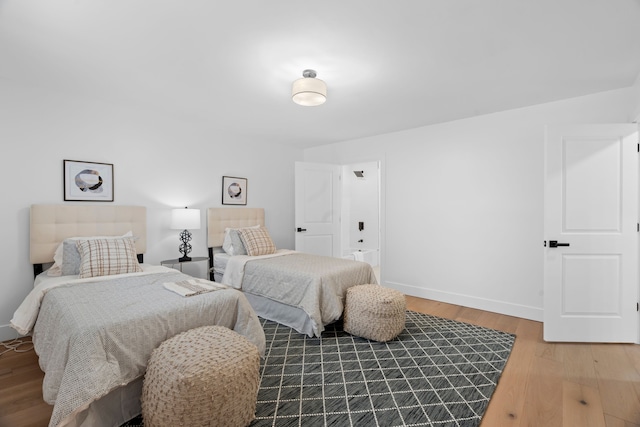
x=173, y=262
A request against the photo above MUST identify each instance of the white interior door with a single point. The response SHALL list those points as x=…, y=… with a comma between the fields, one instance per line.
x=317, y=211
x=591, y=211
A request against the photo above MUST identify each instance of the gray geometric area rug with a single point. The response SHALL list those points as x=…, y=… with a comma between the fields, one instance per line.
x=437, y=372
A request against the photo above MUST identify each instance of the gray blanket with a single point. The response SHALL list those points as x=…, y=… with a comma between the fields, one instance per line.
x=313, y=283
x=94, y=337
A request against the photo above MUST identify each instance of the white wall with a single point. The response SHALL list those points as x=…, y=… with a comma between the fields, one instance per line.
x=462, y=213
x=159, y=162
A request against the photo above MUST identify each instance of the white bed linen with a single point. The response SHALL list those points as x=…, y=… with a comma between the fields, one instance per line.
x=220, y=260
x=234, y=269
x=25, y=316
x=303, y=291
x=81, y=374
x=267, y=308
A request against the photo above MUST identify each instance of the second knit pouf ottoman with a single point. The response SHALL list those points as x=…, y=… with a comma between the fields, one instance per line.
x=374, y=312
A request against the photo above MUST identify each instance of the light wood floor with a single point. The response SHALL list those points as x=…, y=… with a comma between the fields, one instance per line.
x=549, y=385
x=543, y=384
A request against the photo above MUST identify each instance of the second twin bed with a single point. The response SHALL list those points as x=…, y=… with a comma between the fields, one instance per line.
x=303, y=291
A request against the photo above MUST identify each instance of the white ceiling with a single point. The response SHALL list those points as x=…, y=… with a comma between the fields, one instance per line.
x=388, y=65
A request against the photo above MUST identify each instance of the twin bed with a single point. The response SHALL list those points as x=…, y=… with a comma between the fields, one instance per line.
x=94, y=326
x=305, y=292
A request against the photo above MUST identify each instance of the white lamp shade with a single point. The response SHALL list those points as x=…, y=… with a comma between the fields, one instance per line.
x=309, y=91
x=185, y=219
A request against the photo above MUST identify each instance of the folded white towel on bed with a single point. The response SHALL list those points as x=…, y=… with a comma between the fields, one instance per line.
x=191, y=287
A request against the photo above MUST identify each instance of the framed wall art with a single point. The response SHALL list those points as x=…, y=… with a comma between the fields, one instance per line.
x=234, y=190
x=87, y=181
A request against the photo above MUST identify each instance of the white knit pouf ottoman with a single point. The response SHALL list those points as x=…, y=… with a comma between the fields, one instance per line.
x=374, y=312
x=207, y=376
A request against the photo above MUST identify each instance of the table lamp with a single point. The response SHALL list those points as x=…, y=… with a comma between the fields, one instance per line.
x=185, y=219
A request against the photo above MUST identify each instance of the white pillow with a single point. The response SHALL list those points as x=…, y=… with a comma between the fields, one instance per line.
x=58, y=258
x=228, y=242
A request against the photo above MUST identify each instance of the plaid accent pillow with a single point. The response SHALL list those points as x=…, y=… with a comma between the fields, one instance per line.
x=257, y=241
x=105, y=257
x=66, y=259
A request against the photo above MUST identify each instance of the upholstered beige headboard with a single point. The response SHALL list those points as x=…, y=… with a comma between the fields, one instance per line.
x=51, y=224
x=220, y=218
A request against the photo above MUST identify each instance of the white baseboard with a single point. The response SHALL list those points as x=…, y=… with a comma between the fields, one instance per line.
x=502, y=307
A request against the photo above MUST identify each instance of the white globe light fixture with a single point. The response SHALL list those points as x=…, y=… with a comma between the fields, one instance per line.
x=309, y=91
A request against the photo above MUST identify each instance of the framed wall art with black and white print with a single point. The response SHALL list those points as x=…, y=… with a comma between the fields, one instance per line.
x=234, y=190
x=87, y=181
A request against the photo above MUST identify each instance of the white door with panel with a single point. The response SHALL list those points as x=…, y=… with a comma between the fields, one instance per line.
x=317, y=208
x=591, y=231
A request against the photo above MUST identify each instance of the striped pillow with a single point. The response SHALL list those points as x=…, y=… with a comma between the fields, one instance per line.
x=105, y=257
x=257, y=241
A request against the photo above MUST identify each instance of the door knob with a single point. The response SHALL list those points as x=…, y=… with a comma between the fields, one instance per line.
x=555, y=244
x=300, y=230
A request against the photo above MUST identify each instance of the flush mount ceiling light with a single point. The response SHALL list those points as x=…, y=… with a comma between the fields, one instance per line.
x=309, y=91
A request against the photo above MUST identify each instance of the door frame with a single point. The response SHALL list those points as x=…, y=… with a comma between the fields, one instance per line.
x=547, y=234
x=382, y=203
x=335, y=228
